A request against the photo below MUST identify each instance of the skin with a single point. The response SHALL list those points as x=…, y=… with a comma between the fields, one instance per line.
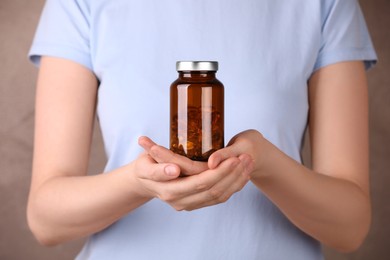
x=329, y=202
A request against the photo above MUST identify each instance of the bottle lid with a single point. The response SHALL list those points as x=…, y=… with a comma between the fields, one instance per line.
x=197, y=66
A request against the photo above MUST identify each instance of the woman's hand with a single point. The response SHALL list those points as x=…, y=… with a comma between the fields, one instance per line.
x=249, y=142
x=201, y=188
x=162, y=155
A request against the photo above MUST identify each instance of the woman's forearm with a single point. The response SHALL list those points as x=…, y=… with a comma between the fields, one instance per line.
x=334, y=211
x=66, y=208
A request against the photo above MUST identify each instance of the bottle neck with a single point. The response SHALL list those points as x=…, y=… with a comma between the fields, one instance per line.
x=203, y=75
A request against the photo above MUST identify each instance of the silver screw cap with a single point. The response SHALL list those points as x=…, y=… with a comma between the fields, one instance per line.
x=197, y=66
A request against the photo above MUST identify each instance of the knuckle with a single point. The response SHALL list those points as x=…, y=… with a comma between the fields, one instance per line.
x=215, y=193
x=234, y=162
x=162, y=154
x=192, y=166
x=153, y=175
x=178, y=207
x=246, y=143
x=201, y=186
x=190, y=209
x=198, y=167
x=170, y=155
x=242, y=185
x=155, y=151
x=223, y=198
x=167, y=196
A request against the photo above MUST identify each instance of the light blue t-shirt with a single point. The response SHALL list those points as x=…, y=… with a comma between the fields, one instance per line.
x=267, y=50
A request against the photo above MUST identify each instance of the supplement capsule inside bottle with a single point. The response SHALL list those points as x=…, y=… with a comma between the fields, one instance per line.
x=196, y=110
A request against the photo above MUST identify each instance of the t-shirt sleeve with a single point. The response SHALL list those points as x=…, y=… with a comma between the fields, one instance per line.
x=63, y=32
x=344, y=35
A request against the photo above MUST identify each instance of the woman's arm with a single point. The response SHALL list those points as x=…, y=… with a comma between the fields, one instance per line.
x=331, y=202
x=65, y=203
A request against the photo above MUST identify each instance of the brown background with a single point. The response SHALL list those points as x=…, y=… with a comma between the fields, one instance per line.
x=18, y=20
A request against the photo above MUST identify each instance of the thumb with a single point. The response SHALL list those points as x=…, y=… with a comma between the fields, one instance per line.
x=162, y=172
x=148, y=169
x=219, y=156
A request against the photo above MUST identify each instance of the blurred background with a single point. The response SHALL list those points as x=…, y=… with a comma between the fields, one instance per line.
x=18, y=20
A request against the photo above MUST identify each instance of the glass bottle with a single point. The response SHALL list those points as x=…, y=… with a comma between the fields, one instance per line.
x=196, y=110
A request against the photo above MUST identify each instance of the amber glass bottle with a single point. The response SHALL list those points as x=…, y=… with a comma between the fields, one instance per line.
x=197, y=110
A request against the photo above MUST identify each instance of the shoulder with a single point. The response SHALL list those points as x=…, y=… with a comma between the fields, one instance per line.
x=329, y=7
x=69, y=6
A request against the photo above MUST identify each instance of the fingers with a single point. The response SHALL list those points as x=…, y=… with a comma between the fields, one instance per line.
x=227, y=171
x=221, y=191
x=176, y=190
x=219, y=156
x=146, y=143
x=150, y=170
x=163, y=155
x=245, y=142
x=208, y=188
x=248, y=164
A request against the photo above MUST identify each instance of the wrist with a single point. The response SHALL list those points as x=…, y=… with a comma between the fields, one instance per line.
x=263, y=160
x=134, y=185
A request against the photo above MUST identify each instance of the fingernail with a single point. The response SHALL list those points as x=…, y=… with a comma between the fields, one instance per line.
x=170, y=170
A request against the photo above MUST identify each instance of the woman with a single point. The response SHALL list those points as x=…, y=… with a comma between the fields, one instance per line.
x=284, y=66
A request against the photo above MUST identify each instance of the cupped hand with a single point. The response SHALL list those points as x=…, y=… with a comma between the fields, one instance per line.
x=249, y=142
x=201, y=188
x=163, y=155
